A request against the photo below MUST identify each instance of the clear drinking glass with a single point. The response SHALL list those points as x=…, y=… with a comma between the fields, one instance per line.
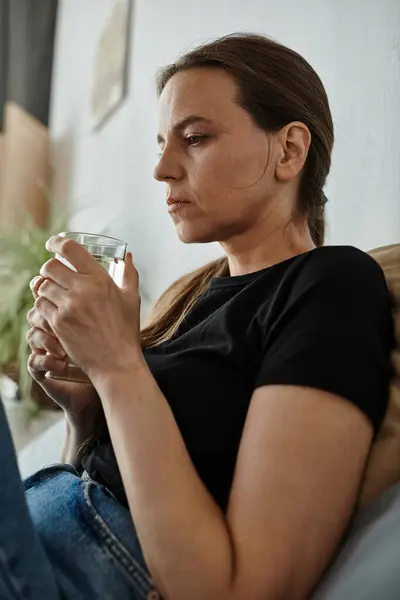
x=110, y=254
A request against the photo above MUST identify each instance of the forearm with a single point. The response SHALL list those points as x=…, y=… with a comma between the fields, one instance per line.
x=183, y=533
x=76, y=433
x=65, y=449
x=73, y=439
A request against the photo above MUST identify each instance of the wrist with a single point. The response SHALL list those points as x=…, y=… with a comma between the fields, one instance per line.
x=109, y=378
x=84, y=422
x=74, y=438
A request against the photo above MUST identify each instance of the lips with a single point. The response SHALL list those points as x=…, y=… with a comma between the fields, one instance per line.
x=175, y=200
x=176, y=204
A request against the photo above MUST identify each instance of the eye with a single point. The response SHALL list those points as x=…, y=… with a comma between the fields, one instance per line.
x=194, y=140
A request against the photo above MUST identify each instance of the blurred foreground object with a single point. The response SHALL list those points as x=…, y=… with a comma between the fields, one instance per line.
x=22, y=254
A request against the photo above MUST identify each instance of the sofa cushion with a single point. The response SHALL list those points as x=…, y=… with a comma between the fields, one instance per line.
x=42, y=451
x=383, y=468
x=367, y=564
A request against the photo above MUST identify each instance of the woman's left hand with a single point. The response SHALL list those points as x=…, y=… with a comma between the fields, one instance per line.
x=97, y=322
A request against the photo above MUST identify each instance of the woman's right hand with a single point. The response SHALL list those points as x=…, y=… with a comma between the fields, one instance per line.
x=78, y=400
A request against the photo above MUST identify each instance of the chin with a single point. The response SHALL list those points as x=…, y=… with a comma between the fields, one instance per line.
x=195, y=235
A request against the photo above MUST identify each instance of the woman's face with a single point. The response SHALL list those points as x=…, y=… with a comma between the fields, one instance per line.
x=213, y=157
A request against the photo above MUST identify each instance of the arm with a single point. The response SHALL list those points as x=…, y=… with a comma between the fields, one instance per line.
x=77, y=431
x=74, y=437
x=302, y=452
x=298, y=470
x=65, y=454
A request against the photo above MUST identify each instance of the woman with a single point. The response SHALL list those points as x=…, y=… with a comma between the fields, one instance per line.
x=239, y=421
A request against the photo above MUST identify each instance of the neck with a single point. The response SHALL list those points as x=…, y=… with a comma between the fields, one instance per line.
x=255, y=250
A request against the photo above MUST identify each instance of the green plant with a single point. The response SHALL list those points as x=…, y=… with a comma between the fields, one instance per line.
x=22, y=253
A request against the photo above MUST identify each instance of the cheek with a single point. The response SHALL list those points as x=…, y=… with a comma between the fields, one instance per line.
x=225, y=172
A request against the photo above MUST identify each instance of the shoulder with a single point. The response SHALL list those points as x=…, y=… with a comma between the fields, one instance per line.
x=343, y=259
x=343, y=283
x=343, y=267
x=332, y=280
x=337, y=278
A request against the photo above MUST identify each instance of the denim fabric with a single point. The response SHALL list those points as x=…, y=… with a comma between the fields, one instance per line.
x=25, y=571
x=65, y=536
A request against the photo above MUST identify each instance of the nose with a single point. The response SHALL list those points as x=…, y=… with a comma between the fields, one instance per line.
x=169, y=166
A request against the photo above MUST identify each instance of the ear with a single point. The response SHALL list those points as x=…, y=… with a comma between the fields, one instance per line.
x=294, y=142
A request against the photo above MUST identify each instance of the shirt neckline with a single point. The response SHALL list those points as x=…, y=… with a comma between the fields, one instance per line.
x=241, y=280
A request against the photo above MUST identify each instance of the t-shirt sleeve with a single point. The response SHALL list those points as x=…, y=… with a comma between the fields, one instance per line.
x=333, y=330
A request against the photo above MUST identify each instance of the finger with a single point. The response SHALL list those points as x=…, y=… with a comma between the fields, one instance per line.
x=53, y=292
x=35, y=319
x=46, y=308
x=130, y=277
x=57, y=271
x=39, y=364
x=41, y=341
x=35, y=284
x=74, y=253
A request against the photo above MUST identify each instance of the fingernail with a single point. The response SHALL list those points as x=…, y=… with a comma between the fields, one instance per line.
x=34, y=281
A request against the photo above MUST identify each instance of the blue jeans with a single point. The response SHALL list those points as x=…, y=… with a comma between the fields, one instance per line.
x=64, y=536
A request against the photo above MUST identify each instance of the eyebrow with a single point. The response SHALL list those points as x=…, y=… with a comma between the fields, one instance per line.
x=181, y=125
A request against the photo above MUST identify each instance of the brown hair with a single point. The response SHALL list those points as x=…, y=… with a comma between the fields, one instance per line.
x=276, y=86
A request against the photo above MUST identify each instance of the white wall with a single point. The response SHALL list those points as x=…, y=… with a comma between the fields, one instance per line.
x=106, y=176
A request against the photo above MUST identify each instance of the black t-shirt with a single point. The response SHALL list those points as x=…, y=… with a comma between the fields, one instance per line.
x=321, y=319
